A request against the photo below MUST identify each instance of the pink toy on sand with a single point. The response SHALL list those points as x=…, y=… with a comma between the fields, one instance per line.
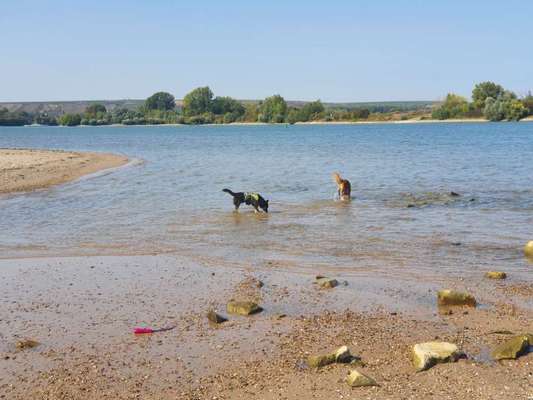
x=141, y=330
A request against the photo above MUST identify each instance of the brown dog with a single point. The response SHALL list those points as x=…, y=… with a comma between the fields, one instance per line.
x=344, y=188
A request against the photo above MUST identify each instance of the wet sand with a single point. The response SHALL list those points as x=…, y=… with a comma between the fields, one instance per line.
x=26, y=170
x=83, y=310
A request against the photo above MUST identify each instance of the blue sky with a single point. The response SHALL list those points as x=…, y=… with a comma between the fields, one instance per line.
x=359, y=50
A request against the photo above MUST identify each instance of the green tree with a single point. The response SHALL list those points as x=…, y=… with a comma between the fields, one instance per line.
x=14, y=118
x=160, y=101
x=528, y=103
x=312, y=111
x=94, y=109
x=251, y=112
x=454, y=106
x=70, y=119
x=484, y=90
x=45, y=119
x=516, y=110
x=506, y=106
x=294, y=116
x=361, y=113
x=273, y=109
x=493, y=110
x=197, y=102
x=225, y=105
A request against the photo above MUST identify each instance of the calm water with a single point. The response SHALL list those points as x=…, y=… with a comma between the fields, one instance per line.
x=170, y=199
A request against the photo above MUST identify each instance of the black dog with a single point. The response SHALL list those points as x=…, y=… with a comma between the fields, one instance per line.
x=252, y=199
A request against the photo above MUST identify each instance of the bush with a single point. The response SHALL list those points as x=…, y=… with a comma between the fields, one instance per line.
x=251, y=112
x=454, y=106
x=516, y=111
x=504, y=107
x=70, y=119
x=94, y=109
x=16, y=118
x=361, y=113
x=312, y=111
x=482, y=91
x=205, y=118
x=225, y=105
x=230, y=117
x=528, y=103
x=45, y=119
x=273, y=109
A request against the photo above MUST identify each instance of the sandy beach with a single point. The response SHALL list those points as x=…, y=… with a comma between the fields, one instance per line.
x=26, y=170
x=82, y=312
x=67, y=322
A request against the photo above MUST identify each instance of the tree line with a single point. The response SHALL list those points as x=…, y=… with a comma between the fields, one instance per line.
x=200, y=106
x=490, y=101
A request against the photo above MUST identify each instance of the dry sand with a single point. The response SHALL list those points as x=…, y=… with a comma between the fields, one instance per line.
x=25, y=170
x=83, y=309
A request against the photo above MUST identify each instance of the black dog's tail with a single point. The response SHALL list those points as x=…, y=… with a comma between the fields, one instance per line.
x=229, y=191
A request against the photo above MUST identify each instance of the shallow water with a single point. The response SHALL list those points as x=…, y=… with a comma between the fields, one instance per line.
x=402, y=221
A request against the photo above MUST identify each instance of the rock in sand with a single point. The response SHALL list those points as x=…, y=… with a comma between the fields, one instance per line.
x=496, y=275
x=27, y=344
x=215, y=318
x=341, y=355
x=452, y=298
x=357, y=379
x=528, y=249
x=512, y=348
x=326, y=283
x=243, y=307
x=426, y=355
x=320, y=360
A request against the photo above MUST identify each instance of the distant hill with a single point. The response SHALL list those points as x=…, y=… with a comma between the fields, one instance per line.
x=55, y=108
x=372, y=105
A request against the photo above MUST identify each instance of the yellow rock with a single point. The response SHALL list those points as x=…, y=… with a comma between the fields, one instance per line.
x=452, y=298
x=27, y=344
x=342, y=355
x=426, y=355
x=243, y=307
x=512, y=348
x=327, y=283
x=321, y=360
x=215, y=318
x=496, y=275
x=528, y=249
x=357, y=379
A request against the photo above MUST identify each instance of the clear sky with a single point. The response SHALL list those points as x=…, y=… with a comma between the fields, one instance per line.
x=358, y=50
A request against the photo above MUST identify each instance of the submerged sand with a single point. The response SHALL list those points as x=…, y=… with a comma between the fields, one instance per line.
x=26, y=170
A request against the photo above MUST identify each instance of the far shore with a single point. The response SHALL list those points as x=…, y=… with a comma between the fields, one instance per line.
x=26, y=170
x=360, y=122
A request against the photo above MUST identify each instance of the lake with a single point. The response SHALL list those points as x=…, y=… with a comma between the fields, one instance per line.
x=401, y=222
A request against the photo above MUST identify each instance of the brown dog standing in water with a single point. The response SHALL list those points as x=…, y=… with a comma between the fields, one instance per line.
x=344, y=188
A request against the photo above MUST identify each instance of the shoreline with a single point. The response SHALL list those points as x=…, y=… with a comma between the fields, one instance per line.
x=361, y=122
x=24, y=170
x=82, y=311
